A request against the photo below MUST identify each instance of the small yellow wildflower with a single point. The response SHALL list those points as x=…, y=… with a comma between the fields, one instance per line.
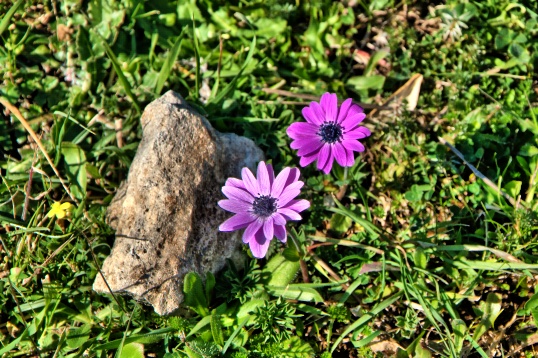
x=59, y=210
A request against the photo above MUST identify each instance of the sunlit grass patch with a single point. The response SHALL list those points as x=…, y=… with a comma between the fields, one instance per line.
x=425, y=246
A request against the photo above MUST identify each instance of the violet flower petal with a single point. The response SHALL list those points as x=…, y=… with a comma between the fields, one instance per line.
x=269, y=229
x=263, y=179
x=350, y=157
x=237, y=194
x=324, y=155
x=354, y=145
x=236, y=183
x=307, y=160
x=293, y=177
x=290, y=214
x=313, y=145
x=280, y=233
x=342, y=113
x=358, y=133
x=259, y=245
x=311, y=117
x=340, y=154
x=298, y=205
x=318, y=111
x=235, y=206
x=328, y=166
x=279, y=183
x=236, y=222
x=329, y=103
x=302, y=129
x=279, y=219
x=352, y=122
x=251, y=230
x=250, y=182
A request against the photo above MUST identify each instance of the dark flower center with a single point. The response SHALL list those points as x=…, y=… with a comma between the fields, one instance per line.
x=264, y=206
x=330, y=132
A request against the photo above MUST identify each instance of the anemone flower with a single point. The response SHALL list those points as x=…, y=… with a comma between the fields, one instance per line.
x=330, y=132
x=262, y=205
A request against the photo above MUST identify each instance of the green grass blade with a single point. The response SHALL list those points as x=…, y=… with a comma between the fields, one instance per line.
x=434, y=317
x=350, y=290
x=234, y=334
x=7, y=17
x=150, y=337
x=123, y=80
x=169, y=63
x=367, y=340
x=246, y=119
x=215, y=88
x=364, y=319
x=232, y=84
x=13, y=344
x=477, y=347
x=197, y=58
x=5, y=218
x=368, y=226
x=492, y=266
x=460, y=248
x=201, y=324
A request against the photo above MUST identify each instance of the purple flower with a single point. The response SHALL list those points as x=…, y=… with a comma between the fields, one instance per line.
x=262, y=205
x=330, y=133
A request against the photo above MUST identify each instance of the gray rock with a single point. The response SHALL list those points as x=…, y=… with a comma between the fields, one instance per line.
x=166, y=215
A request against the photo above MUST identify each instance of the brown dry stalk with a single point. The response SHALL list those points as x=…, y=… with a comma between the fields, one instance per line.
x=34, y=136
x=311, y=97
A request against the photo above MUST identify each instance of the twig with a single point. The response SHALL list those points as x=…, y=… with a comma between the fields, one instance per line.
x=311, y=97
x=34, y=136
x=28, y=189
x=530, y=191
x=304, y=271
x=289, y=103
x=478, y=174
x=118, y=127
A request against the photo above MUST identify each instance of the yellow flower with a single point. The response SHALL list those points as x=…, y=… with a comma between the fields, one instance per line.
x=59, y=210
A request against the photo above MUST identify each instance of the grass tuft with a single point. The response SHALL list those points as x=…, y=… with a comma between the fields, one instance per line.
x=426, y=247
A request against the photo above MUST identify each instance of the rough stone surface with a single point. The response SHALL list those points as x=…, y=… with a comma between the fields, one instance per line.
x=166, y=215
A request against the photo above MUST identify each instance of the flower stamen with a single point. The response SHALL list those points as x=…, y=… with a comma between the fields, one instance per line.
x=264, y=206
x=330, y=132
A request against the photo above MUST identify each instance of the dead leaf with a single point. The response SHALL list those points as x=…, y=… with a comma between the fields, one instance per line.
x=387, y=347
x=12, y=329
x=361, y=57
x=63, y=32
x=376, y=267
x=410, y=91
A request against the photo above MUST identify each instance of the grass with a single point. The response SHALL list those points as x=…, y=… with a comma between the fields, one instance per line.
x=426, y=247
